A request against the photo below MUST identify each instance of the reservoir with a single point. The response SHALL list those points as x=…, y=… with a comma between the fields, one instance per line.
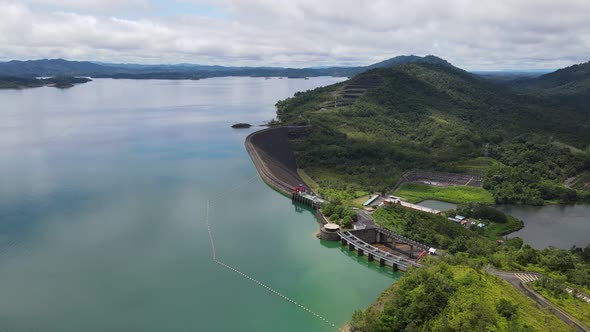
x=103, y=209
x=438, y=205
x=561, y=226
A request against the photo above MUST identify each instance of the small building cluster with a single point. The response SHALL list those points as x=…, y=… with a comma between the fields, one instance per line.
x=466, y=222
x=302, y=195
x=371, y=200
x=379, y=201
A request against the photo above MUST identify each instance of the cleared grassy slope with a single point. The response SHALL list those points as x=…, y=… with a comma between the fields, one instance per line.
x=413, y=192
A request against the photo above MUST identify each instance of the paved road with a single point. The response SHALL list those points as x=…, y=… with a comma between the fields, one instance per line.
x=516, y=280
x=527, y=277
x=364, y=219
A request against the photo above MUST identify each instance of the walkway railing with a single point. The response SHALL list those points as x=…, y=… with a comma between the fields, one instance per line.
x=401, y=238
x=403, y=262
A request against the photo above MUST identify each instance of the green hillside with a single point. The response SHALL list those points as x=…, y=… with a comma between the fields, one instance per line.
x=441, y=297
x=573, y=80
x=369, y=130
x=454, y=291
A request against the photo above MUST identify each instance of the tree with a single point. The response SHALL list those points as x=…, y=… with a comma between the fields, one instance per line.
x=346, y=222
x=527, y=255
x=558, y=260
x=335, y=217
x=506, y=309
x=586, y=253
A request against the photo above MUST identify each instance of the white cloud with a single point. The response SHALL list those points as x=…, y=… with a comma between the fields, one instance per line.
x=470, y=34
x=89, y=5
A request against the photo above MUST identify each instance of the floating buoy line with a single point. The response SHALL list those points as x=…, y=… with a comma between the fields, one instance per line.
x=273, y=291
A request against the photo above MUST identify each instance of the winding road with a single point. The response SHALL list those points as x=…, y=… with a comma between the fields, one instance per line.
x=520, y=280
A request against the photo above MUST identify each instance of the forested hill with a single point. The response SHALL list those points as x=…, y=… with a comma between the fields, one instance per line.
x=567, y=81
x=429, y=92
x=370, y=129
x=402, y=59
x=54, y=67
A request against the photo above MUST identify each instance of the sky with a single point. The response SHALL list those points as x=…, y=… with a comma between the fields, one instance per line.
x=471, y=34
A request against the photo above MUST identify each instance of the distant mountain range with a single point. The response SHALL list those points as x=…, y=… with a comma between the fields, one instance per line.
x=55, y=67
x=61, y=67
x=570, y=81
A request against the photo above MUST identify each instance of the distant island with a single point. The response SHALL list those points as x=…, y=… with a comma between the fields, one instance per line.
x=241, y=125
x=12, y=82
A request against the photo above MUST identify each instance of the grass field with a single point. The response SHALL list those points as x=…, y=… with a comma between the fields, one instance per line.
x=361, y=200
x=314, y=186
x=414, y=193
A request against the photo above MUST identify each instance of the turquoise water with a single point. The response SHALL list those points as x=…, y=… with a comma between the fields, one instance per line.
x=103, y=205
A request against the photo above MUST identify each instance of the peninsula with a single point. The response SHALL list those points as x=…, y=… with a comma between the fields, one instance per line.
x=434, y=131
x=13, y=82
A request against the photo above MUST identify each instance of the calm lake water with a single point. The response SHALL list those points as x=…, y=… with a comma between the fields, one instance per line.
x=561, y=226
x=438, y=205
x=102, y=207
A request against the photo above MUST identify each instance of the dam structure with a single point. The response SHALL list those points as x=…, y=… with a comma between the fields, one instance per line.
x=277, y=166
x=397, y=262
x=364, y=241
x=273, y=158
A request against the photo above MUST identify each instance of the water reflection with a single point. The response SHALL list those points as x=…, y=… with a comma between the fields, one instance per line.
x=102, y=202
x=561, y=226
x=362, y=260
x=302, y=208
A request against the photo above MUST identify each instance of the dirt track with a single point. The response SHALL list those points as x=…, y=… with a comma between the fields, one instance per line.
x=274, y=159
